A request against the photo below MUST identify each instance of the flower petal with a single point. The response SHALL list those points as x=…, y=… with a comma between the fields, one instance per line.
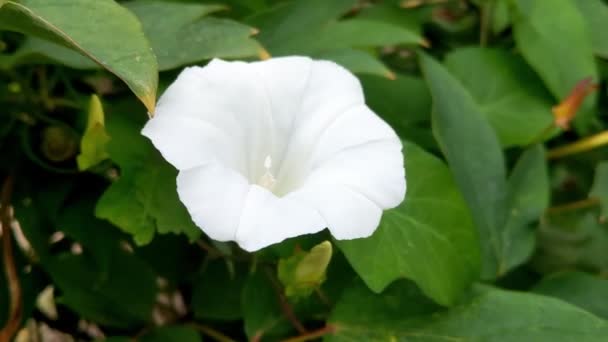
x=214, y=196
x=177, y=137
x=268, y=219
x=349, y=214
x=374, y=169
x=225, y=95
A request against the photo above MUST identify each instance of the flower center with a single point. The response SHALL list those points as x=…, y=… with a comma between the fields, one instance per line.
x=267, y=180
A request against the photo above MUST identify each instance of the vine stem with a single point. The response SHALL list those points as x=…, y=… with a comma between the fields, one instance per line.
x=212, y=333
x=487, y=10
x=328, y=329
x=582, y=145
x=14, y=288
x=285, y=306
x=581, y=204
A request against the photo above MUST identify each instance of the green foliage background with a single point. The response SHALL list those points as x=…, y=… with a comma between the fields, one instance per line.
x=500, y=237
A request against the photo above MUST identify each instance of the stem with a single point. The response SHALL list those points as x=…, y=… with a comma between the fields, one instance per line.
x=212, y=333
x=581, y=204
x=285, y=306
x=14, y=317
x=328, y=329
x=486, y=19
x=582, y=145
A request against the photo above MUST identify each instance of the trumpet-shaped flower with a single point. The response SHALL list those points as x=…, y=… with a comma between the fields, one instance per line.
x=276, y=149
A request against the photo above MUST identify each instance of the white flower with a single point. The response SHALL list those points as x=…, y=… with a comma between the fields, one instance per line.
x=276, y=149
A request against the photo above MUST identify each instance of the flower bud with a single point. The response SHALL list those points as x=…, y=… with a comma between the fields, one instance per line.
x=59, y=143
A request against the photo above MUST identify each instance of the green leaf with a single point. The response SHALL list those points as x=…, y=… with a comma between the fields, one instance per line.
x=595, y=13
x=512, y=99
x=473, y=152
x=121, y=295
x=489, y=315
x=261, y=311
x=599, y=189
x=303, y=272
x=130, y=57
x=438, y=252
x=182, y=33
x=36, y=51
x=353, y=33
x=216, y=293
x=95, y=138
x=172, y=334
x=296, y=19
x=357, y=61
x=581, y=289
x=528, y=197
x=401, y=102
x=144, y=199
x=544, y=30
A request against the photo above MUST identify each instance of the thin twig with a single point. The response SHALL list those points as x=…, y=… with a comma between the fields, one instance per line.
x=581, y=204
x=212, y=333
x=328, y=329
x=14, y=317
x=285, y=306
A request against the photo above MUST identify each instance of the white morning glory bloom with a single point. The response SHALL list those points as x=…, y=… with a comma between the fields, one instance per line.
x=276, y=149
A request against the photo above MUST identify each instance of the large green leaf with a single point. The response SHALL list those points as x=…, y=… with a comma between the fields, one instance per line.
x=582, y=289
x=489, y=315
x=506, y=90
x=357, y=61
x=92, y=27
x=182, y=33
x=437, y=251
x=350, y=33
x=528, y=197
x=296, y=19
x=475, y=157
x=144, y=199
x=552, y=36
x=595, y=13
x=402, y=102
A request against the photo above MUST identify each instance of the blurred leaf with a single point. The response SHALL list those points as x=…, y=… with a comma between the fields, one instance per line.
x=95, y=138
x=572, y=240
x=303, y=272
x=357, y=61
x=172, y=334
x=489, y=315
x=599, y=189
x=438, y=252
x=581, y=289
x=351, y=33
x=296, y=19
x=595, y=13
x=546, y=29
x=121, y=296
x=130, y=57
x=501, y=18
x=144, y=199
x=401, y=102
x=35, y=51
x=528, y=197
x=473, y=152
x=411, y=19
x=216, y=293
x=506, y=90
x=182, y=33
x=261, y=311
